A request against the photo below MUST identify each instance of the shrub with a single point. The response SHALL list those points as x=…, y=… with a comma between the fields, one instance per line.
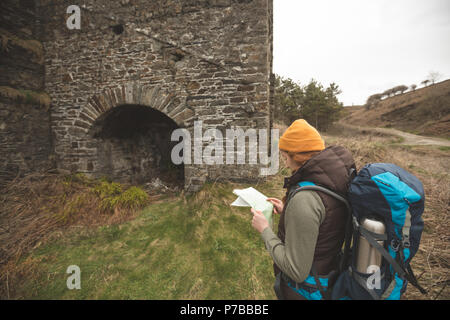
x=108, y=189
x=112, y=197
x=133, y=198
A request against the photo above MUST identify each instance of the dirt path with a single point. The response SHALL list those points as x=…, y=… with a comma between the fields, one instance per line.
x=409, y=138
x=413, y=139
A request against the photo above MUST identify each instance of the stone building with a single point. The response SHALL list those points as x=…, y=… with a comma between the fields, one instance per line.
x=25, y=143
x=135, y=71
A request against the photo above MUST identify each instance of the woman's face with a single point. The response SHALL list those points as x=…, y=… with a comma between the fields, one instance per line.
x=288, y=161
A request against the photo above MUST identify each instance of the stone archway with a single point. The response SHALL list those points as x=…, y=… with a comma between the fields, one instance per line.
x=128, y=130
x=135, y=94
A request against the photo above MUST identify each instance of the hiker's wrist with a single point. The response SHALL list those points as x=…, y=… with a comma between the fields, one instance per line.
x=266, y=231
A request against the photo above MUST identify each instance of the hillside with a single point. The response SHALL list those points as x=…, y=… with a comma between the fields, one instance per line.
x=425, y=111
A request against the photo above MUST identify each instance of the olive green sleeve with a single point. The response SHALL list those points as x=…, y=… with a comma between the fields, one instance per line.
x=304, y=214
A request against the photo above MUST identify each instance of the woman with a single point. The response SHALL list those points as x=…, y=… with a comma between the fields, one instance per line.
x=312, y=224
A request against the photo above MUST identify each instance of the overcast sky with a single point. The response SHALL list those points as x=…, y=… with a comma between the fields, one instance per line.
x=364, y=46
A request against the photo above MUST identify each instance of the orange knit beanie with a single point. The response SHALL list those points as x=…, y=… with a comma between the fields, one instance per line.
x=301, y=137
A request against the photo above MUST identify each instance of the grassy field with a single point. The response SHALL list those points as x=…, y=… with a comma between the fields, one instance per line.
x=195, y=247
x=198, y=247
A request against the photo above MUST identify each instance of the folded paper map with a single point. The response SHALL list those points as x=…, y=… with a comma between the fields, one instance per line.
x=251, y=197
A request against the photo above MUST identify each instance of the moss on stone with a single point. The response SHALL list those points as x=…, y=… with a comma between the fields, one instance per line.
x=33, y=46
x=26, y=96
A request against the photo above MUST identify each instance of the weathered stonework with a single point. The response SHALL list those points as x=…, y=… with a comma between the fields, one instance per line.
x=25, y=143
x=190, y=60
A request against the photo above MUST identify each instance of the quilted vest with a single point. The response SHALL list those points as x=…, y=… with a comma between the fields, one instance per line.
x=330, y=169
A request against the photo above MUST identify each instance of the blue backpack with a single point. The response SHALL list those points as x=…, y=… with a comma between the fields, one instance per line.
x=387, y=193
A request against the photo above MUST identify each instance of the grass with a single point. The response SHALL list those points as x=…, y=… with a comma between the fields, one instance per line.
x=42, y=206
x=183, y=248
x=112, y=196
x=198, y=247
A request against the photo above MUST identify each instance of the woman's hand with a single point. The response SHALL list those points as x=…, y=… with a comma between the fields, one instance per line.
x=259, y=221
x=277, y=205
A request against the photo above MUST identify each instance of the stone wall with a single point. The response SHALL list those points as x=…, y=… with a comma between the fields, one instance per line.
x=192, y=60
x=25, y=136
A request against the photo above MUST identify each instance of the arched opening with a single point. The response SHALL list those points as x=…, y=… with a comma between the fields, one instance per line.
x=133, y=145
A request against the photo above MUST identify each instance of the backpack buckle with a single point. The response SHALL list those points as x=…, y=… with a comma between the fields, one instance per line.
x=395, y=244
x=405, y=241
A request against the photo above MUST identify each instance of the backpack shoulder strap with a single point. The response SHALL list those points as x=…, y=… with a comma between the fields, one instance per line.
x=306, y=185
x=324, y=190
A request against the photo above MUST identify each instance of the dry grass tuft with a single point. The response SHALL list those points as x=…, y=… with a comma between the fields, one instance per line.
x=36, y=207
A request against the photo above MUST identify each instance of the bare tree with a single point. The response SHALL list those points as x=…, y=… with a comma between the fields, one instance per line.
x=425, y=82
x=400, y=89
x=413, y=87
x=373, y=100
x=434, y=76
x=388, y=92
